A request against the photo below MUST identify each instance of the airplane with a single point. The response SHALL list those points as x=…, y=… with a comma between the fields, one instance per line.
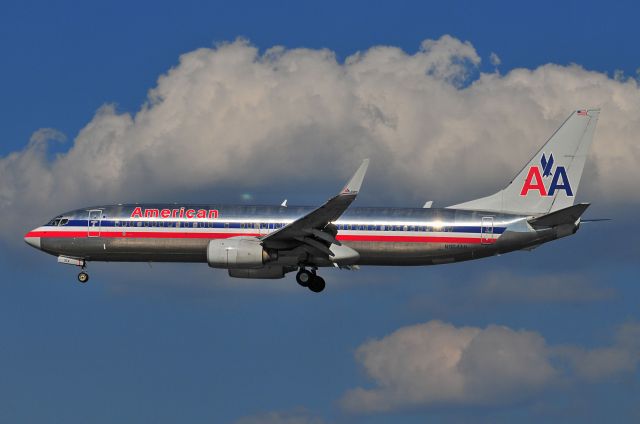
x=536, y=207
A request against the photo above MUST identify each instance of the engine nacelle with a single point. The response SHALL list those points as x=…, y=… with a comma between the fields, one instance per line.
x=236, y=253
x=264, y=272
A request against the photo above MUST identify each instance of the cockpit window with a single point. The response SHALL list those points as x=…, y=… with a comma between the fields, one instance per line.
x=58, y=221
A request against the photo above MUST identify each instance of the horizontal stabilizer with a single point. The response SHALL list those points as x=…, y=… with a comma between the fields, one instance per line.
x=568, y=215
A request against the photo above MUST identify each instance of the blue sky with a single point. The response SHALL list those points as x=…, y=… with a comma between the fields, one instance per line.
x=183, y=342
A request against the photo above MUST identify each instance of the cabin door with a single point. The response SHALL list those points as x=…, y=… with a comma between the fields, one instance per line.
x=95, y=223
x=486, y=230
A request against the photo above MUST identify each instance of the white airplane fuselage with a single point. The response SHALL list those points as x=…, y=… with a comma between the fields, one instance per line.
x=381, y=236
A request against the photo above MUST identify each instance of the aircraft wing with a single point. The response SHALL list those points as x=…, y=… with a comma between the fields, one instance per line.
x=313, y=229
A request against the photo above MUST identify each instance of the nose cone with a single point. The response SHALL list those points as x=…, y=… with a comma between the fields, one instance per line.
x=32, y=240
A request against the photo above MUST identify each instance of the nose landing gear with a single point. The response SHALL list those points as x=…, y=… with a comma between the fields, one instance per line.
x=310, y=280
x=83, y=277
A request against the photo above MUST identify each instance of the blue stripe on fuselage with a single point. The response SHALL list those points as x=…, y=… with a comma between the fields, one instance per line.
x=106, y=223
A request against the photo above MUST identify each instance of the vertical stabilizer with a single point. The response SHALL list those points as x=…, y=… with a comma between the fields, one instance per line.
x=550, y=180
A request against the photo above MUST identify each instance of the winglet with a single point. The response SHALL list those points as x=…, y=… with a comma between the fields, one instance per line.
x=353, y=186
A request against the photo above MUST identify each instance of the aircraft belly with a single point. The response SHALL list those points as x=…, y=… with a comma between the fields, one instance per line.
x=129, y=249
x=398, y=253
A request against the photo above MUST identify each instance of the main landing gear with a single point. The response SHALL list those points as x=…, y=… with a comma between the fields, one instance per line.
x=309, y=279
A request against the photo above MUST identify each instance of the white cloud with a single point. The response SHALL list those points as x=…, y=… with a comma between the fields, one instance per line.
x=494, y=59
x=438, y=364
x=600, y=363
x=231, y=115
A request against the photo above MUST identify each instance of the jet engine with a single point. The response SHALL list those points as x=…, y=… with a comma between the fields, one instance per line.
x=246, y=252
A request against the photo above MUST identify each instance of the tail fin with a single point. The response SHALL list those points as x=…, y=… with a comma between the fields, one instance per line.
x=549, y=182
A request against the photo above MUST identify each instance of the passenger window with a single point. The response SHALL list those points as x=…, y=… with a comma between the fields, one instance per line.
x=226, y=225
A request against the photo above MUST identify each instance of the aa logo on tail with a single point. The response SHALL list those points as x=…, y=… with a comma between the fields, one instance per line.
x=539, y=174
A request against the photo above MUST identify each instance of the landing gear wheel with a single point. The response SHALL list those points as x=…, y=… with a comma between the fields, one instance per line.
x=303, y=277
x=83, y=277
x=317, y=284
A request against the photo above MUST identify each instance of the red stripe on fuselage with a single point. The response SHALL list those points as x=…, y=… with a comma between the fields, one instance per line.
x=212, y=235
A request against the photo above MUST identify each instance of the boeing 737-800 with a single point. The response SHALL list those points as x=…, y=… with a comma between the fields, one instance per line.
x=536, y=207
